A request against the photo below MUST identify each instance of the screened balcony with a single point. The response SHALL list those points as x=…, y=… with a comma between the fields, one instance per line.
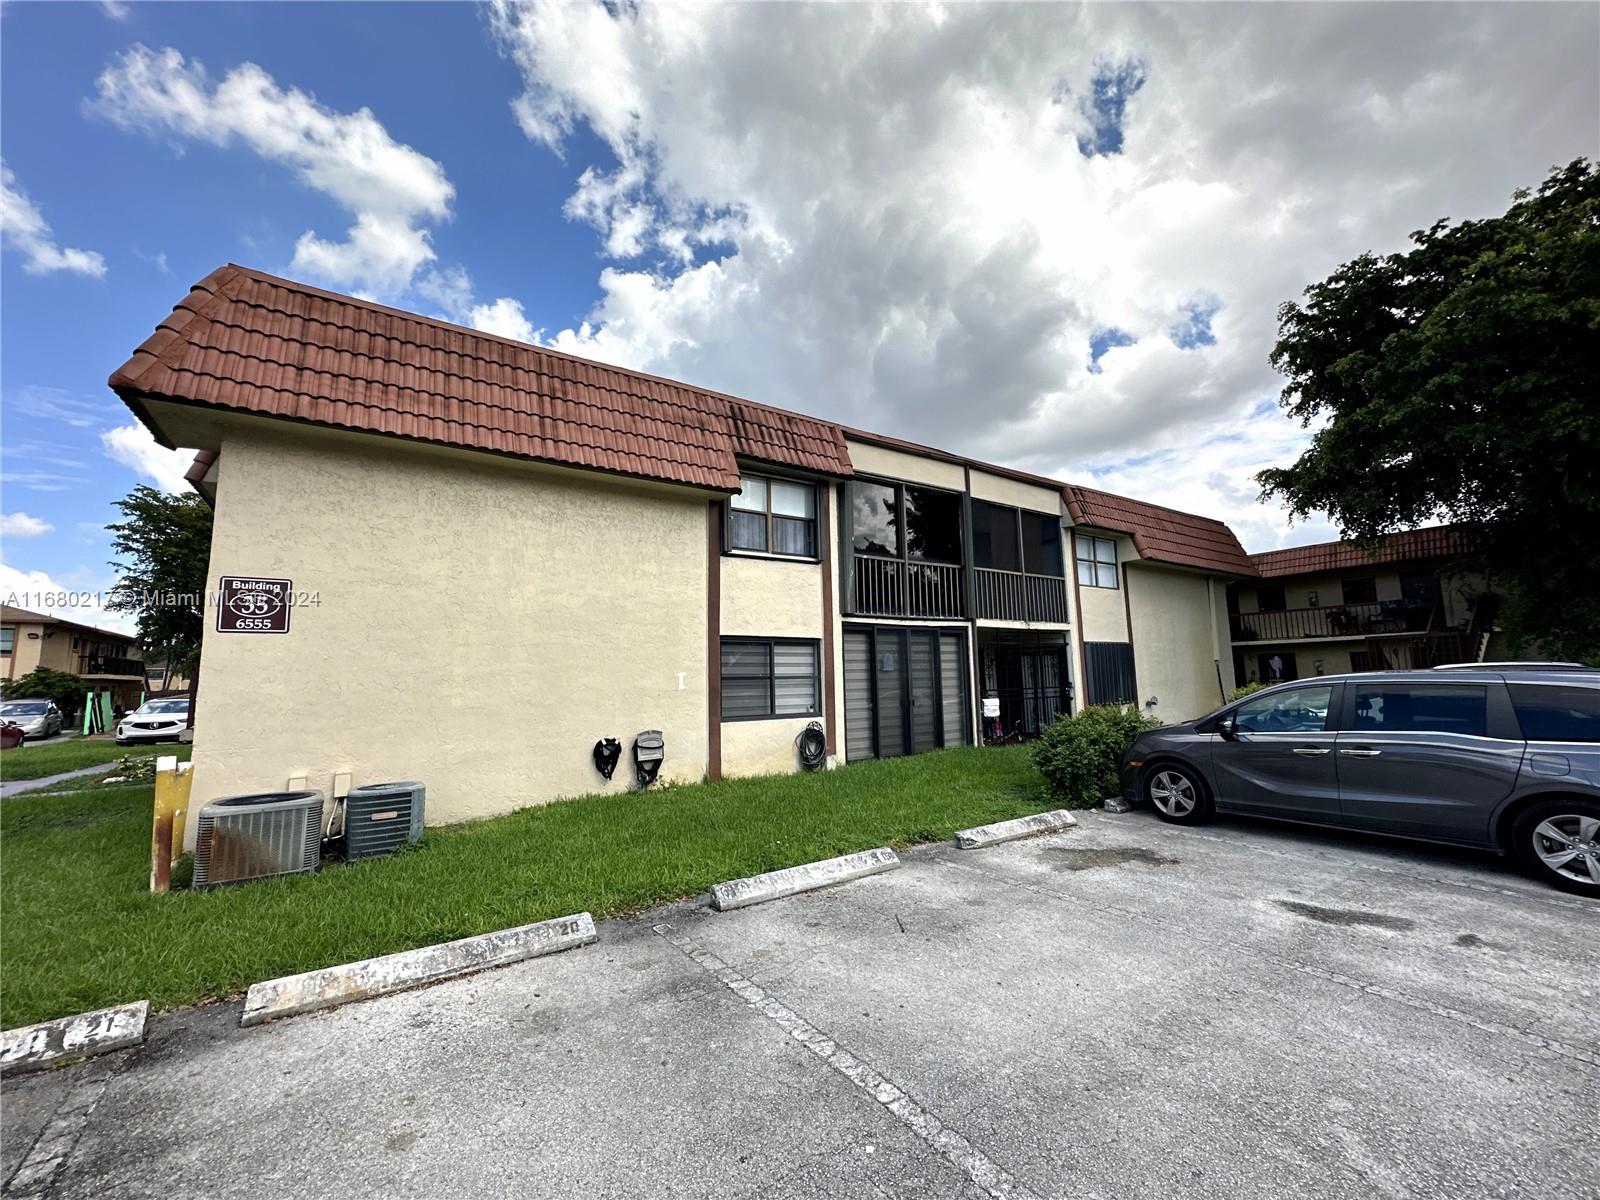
x=905, y=550
x=1018, y=564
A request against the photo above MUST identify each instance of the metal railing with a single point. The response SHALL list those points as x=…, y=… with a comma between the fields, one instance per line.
x=97, y=664
x=893, y=587
x=1015, y=596
x=1335, y=620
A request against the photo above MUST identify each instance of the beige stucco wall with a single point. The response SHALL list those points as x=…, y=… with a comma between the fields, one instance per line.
x=479, y=623
x=1102, y=613
x=867, y=459
x=766, y=597
x=27, y=648
x=1173, y=642
x=1001, y=490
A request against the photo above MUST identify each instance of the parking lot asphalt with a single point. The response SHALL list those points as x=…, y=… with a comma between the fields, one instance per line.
x=1124, y=1008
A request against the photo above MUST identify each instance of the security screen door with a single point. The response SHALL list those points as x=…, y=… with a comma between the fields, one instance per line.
x=905, y=691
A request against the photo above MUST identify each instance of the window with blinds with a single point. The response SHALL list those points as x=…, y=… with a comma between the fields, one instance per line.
x=770, y=677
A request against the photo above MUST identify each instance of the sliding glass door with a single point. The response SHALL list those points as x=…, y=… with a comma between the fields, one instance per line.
x=905, y=691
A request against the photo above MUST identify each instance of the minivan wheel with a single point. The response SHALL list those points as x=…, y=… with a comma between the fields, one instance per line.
x=1559, y=841
x=1176, y=794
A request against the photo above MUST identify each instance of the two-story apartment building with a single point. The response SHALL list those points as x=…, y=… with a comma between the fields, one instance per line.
x=1335, y=607
x=465, y=559
x=105, y=661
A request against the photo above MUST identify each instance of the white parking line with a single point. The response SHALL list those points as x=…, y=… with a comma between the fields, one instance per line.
x=993, y=1179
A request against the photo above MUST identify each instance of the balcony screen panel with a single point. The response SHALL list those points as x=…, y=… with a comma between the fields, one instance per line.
x=994, y=537
x=749, y=530
x=857, y=695
x=1041, y=544
x=874, y=520
x=933, y=525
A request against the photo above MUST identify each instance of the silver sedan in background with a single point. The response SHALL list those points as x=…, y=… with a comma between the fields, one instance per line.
x=37, y=718
x=154, y=721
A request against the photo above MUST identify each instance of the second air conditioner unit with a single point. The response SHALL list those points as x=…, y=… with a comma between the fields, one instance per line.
x=379, y=818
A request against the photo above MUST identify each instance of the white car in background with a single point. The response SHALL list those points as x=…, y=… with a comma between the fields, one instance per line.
x=154, y=721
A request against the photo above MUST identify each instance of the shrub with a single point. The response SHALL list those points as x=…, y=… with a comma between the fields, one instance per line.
x=134, y=768
x=1078, y=755
x=43, y=683
x=1243, y=690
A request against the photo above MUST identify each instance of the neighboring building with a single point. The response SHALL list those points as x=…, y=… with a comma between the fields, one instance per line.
x=106, y=661
x=1332, y=608
x=498, y=554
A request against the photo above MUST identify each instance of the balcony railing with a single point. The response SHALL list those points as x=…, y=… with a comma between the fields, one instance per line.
x=892, y=587
x=1334, y=621
x=1014, y=596
x=96, y=664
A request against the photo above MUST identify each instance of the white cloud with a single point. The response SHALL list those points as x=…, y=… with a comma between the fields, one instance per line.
x=42, y=593
x=504, y=317
x=883, y=215
x=392, y=190
x=21, y=525
x=117, y=10
x=26, y=231
x=133, y=446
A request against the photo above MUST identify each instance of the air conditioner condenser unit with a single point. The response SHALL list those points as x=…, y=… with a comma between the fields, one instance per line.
x=257, y=837
x=379, y=818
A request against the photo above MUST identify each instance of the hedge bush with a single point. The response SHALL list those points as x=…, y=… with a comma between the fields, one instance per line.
x=1078, y=755
x=1243, y=690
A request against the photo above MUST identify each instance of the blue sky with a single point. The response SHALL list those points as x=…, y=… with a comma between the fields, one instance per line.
x=1050, y=236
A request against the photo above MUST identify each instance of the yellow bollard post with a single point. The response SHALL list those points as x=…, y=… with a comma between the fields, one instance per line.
x=173, y=780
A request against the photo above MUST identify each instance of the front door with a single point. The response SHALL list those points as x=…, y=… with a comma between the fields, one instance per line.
x=1418, y=758
x=1280, y=760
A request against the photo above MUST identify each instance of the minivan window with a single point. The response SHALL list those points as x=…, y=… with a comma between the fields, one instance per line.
x=1299, y=710
x=1554, y=713
x=1422, y=708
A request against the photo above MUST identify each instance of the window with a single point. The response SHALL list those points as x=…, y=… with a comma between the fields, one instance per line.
x=1097, y=562
x=1110, y=673
x=994, y=537
x=1270, y=597
x=1041, y=544
x=1298, y=710
x=1551, y=713
x=1360, y=661
x=1361, y=590
x=777, y=516
x=769, y=678
x=1422, y=708
x=8, y=639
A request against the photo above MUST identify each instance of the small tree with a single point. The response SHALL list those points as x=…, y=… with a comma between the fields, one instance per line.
x=42, y=683
x=165, y=544
x=1079, y=755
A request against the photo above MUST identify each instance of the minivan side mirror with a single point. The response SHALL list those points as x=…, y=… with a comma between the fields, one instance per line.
x=1228, y=728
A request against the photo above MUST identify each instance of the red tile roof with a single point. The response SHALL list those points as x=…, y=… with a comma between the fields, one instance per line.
x=1161, y=534
x=1439, y=541
x=252, y=342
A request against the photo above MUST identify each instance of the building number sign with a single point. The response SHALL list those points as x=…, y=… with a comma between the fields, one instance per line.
x=253, y=605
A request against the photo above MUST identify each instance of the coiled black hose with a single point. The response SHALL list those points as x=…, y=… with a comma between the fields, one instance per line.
x=813, y=746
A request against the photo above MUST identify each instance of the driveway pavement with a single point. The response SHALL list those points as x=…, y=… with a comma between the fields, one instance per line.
x=1124, y=1009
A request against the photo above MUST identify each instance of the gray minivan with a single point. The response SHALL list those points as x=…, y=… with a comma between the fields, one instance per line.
x=1505, y=759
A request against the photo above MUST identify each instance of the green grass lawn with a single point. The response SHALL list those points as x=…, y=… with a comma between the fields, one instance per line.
x=35, y=761
x=81, y=930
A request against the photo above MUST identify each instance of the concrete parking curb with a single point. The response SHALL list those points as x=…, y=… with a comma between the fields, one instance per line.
x=740, y=893
x=34, y=1046
x=1008, y=831
x=332, y=986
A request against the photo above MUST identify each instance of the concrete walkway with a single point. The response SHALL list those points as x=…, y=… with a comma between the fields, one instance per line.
x=16, y=787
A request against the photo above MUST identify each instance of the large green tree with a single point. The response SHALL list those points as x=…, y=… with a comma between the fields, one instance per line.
x=1459, y=380
x=164, y=548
